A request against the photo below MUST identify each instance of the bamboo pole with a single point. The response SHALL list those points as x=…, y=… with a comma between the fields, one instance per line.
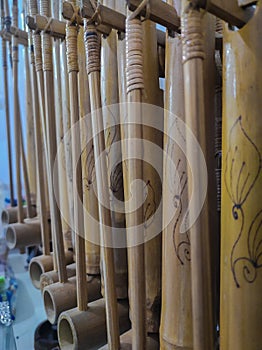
x=109, y=96
x=46, y=262
x=93, y=70
x=193, y=56
x=241, y=234
x=64, y=199
x=136, y=258
x=7, y=113
x=51, y=142
x=88, y=163
x=16, y=116
x=176, y=313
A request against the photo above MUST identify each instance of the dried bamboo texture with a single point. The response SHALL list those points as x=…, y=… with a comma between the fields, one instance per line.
x=241, y=234
x=176, y=313
x=30, y=139
x=88, y=164
x=196, y=118
x=152, y=95
x=110, y=96
x=61, y=160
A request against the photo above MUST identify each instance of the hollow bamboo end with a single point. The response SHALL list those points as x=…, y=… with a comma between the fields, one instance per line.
x=59, y=297
x=38, y=266
x=5, y=217
x=10, y=216
x=23, y=234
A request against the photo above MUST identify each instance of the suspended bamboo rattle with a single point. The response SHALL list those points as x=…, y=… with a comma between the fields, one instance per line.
x=75, y=326
x=22, y=233
x=241, y=211
x=176, y=313
x=78, y=285
x=193, y=56
x=45, y=262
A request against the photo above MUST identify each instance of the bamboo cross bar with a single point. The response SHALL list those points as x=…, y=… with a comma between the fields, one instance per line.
x=39, y=23
x=229, y=11
x=157, y=11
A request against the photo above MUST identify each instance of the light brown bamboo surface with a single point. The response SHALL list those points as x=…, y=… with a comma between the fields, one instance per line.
x=30, y=140
x=51, y=142
x=176, y=313
x=152, y=95
x=16, y=117
x=59, y=98
x=72, y=66
x=45, y=231
x=241, y=234
x=88, y=164
x=7, y=111
x=66, y=126
x=110, y=96
x=93, y=70
x=195, y=116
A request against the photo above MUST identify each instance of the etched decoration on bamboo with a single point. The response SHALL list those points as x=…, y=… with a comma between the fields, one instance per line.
x=89, y=165
x=240, y=180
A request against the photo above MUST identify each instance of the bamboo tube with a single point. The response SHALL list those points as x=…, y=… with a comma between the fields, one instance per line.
x=51, y=142
x=9, y=215
x=30, y=137
x=64, y=199
x=241, y=235
x=176, y=313
x=109, y=96
x=16, y=116
x=58, y=299
x=152, y=95
x=93, y=70
x=7, y=113
x=193, y=55
x=87, y=330
x=88, y=172
x=45, y=262
x=51, y=277
x=136, y=260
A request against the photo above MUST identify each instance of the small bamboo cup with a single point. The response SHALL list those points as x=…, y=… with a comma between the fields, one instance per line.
x=87, y=330
x=59, y=297
x=45, y=263
x=9, y=215
x=25, y=234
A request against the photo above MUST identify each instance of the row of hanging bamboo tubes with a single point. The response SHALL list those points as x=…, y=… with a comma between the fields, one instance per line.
x=86, y=74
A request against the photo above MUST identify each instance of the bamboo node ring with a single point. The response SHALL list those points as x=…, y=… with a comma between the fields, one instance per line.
x=192, y=35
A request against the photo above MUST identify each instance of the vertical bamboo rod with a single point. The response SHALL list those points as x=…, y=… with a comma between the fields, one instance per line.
x=16, y=116
x=51, y=141
x=72, y=65
x=93, y=70
x=176, y=313
x=64, y=200
x=90, y=201
x=193, y=56
x=136, y=256
x=110, y=96
x=7, y=112
x=39, y=160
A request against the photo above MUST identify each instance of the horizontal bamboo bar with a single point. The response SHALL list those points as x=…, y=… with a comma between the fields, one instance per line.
x=68, y=13
x=229, y=11
x=160, y=12
x=38, y=22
